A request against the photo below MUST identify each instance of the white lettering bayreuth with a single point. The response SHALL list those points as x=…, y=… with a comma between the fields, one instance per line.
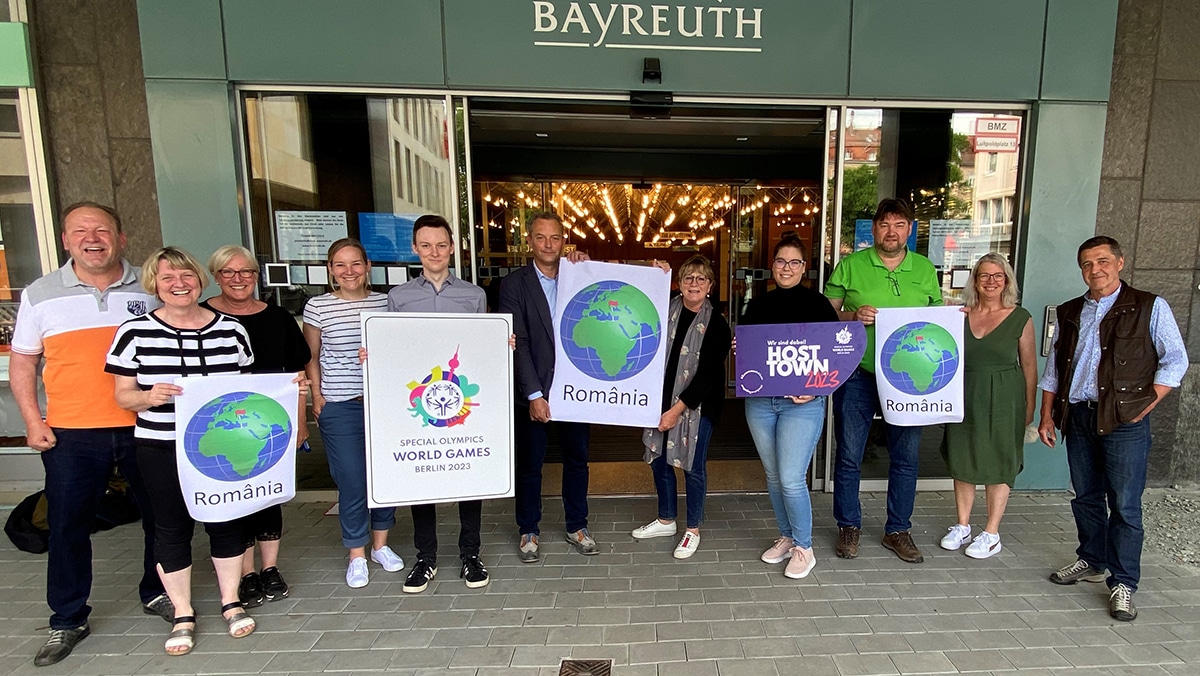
x=590, y=25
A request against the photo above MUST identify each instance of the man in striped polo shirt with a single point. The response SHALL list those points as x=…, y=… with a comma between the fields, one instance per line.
x=69, y=318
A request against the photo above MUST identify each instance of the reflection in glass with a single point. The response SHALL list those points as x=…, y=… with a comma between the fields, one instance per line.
x=20, y=253
x=376, y=163
x=350, y=154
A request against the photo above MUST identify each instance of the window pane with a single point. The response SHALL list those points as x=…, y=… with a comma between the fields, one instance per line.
x=962, y=185
x=361, y=159
x=20, y=252
x=342, y=165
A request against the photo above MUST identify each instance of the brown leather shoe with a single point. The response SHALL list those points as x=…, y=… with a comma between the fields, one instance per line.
x=847, y=544
x=902, y=544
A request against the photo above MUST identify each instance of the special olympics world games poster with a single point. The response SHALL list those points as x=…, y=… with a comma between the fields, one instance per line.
x=439, y=407
x=610, y=333
x=235, y=443
x=919, y=365
x=813, y=359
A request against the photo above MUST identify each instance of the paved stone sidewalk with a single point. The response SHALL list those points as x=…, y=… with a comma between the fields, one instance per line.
x=721, y=612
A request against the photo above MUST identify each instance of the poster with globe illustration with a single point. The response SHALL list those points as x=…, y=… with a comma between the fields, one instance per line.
x=919, y=365
x=236, y=443
x=610, y=351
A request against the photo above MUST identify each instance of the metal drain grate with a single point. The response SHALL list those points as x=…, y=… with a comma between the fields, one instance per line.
x=585, y=668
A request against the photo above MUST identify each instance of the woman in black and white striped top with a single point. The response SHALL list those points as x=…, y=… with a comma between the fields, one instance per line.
x=147, y=355
x=334, y=334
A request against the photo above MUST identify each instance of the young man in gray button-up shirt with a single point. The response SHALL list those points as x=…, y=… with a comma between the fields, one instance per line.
x=436, y=289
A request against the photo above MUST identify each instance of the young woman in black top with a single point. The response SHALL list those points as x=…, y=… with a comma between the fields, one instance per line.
x=786, y=429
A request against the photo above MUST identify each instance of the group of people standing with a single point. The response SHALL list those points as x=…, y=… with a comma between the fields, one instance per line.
x=114, y=339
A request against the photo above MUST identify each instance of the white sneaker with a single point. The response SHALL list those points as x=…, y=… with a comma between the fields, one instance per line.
x=385, y=557
x=687, y=546
x=779, y=552
x=801, y=564
x=984, y=545
x=957, y=536
x=356, y=574
x=654, y=529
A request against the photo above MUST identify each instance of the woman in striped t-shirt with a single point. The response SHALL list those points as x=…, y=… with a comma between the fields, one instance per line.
x=147, y=355
x=334, y=334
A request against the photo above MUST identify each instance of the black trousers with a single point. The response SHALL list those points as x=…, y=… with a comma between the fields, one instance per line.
x=263, y=525
x=173, y=525
x=425, y=530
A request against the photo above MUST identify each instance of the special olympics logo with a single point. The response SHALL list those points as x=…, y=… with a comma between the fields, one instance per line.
x=443, y=398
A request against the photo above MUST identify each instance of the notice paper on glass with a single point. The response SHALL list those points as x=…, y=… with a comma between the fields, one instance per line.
x=306, y=235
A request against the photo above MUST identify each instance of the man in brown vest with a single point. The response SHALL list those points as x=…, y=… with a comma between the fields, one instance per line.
x=1117, y=353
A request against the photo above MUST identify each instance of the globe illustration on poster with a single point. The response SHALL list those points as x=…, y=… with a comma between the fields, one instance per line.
x=610, y=330
x=919, y=358
x=237, y=436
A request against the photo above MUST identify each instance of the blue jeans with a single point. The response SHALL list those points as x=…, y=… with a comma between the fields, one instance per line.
x=531, y=455
x=77, y=472
x=695, y=481
x=1108, y=473
x=343, y=429
x=854, y=406
x=786, y=436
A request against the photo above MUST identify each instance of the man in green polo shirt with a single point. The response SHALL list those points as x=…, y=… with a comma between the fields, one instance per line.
x=887, y=275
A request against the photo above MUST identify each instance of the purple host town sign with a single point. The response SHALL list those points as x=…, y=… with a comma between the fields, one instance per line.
x=779, y=360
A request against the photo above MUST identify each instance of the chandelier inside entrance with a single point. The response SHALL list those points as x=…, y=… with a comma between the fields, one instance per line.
x=657, y=215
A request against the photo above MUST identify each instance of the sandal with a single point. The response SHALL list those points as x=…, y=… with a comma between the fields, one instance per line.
x=240, y=623
x=181, y=638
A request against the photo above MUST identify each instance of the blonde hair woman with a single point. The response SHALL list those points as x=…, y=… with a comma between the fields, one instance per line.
x=987, y=447
x=148, y=353
x=278, y=347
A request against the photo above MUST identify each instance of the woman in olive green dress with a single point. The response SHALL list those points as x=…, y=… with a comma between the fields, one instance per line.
x=998, y=393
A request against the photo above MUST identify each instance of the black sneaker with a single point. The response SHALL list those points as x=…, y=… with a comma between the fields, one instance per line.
x=250, y=591
x=273, y=585
x=161, y=606
x=473, y=572
x=418, y=579
x=60, y=644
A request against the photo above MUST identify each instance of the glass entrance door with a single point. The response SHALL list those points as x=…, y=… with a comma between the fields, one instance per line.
x=962, y=182
x=720, y=178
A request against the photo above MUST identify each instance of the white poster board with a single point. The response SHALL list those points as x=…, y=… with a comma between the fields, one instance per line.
x=919, y=365
x=306, y=235
x=235, y=443
x=439, y=407
x=610, y=333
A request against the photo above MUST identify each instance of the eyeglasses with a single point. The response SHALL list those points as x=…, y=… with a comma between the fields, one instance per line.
x=793, y=264
x=226, y=273
x=695, y=279
x=994, y=277
x=891, y=277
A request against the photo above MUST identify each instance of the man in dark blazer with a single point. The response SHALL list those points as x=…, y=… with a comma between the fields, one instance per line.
x=529, y=294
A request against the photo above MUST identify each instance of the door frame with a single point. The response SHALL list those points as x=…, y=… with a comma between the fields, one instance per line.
x=835, y=109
